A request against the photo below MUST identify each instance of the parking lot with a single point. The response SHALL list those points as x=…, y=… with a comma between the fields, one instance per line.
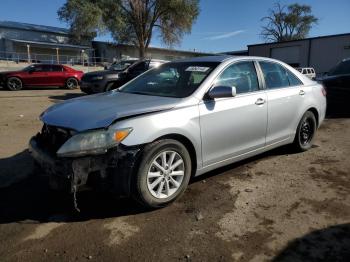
x=279, y=205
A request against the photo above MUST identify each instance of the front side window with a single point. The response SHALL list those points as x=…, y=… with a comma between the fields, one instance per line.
x=275, y=75
x=179, y=79
x=241, y=75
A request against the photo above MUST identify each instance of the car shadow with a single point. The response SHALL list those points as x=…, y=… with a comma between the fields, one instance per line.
x=328, y=244
x=31, y=198
x=2, y=88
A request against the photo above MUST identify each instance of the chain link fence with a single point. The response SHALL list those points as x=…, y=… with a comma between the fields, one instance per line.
x=81, y=60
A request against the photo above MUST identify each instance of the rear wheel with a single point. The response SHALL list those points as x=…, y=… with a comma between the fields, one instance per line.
x=14, y=84
x=305, y=133
x=163, y=174
x=72, y=83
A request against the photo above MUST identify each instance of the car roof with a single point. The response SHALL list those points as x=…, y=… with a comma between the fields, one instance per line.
x=213, y=58
x=42, y=64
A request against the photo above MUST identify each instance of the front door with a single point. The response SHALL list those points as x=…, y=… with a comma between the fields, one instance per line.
x=234, y=126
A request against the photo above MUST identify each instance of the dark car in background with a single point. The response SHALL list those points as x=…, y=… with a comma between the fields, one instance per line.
x=41, y=75
x=118, y=74
x=337, y=84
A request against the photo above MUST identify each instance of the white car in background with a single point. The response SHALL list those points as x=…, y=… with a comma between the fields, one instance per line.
x=308, y=71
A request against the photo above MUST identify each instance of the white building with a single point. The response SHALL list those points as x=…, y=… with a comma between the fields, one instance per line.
x=38, y=43
x=321, y=53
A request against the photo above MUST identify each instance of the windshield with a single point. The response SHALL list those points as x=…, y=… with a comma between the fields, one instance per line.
x=179, y=79
x=122, y=65
x=341, y=69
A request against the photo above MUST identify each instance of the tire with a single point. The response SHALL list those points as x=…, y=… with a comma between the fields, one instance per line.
x=109, y=87
x=14, y=84
x=72, y=83
x=154, y=188
x=305, y=133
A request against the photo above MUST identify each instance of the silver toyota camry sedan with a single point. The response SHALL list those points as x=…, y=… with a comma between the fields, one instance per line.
x=176, y=121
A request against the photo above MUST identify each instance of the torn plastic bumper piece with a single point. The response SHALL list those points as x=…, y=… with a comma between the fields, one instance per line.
x=111, y=171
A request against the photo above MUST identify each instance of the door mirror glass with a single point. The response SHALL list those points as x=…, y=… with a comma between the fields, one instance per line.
x=222, y=91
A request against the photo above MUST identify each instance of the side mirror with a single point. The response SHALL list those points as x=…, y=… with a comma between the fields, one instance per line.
x=222, y=91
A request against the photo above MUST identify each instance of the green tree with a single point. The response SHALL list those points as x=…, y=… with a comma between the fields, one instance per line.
x=290, y=22
x=131, y=21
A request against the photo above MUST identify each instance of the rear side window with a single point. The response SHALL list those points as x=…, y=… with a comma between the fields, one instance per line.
x=56, y=68
x=240, y=75
x=293, y=80
x=275, y=75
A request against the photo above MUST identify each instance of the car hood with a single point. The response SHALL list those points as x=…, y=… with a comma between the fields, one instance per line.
x=101, y=110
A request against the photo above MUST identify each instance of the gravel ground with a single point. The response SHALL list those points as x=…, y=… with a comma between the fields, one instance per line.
x=277, y=206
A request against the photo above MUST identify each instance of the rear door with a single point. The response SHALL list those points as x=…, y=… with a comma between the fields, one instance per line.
x=233, y=126
x=285, y=96
x=56, y=75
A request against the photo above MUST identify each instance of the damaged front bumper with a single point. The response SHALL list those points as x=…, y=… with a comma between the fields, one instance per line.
x=111, y=171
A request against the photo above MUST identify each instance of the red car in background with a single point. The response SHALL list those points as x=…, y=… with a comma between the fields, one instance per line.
x=41, y=75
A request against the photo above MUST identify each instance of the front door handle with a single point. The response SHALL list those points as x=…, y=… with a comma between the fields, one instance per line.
x=301, y=92
x=260, y=101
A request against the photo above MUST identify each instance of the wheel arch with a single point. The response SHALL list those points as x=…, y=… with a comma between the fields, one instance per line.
x=189, y=146
x=15, y=76
x=316, y=114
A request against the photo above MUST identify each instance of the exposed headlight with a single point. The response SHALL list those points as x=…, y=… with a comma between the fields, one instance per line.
x=93, y=142
x=97, y=78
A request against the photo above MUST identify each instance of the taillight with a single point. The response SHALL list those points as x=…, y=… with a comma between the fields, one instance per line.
x=323, y=90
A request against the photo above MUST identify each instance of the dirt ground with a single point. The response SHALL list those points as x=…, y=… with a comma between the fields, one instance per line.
x=278, y=206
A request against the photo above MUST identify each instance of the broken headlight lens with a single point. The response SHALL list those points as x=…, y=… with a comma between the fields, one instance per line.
x=93, y=142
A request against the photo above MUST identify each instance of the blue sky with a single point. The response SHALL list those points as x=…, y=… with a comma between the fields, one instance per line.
x=223, y=25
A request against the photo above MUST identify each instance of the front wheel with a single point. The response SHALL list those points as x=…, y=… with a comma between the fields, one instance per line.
x=14, y=84
x=163, y=174
x=72, y=83
x=305, y=133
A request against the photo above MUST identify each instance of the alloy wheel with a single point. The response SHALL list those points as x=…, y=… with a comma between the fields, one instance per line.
x=306, y=131
x=165, y=175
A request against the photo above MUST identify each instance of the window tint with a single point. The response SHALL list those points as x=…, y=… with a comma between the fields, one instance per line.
x=240, y=75
x=275, y=75
x=56, y=68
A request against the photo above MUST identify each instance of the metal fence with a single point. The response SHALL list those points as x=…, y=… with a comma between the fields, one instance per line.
x=83, y=59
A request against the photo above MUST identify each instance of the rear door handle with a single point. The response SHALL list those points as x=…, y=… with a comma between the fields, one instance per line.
x=260, y=101
x=301, y=92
